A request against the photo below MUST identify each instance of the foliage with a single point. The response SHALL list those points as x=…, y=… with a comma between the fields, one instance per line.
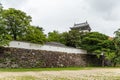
x=54, y=36
x=35, y=35
x=16, y=22
x=96, y=35
x=116, y=59
x=99, y=44
x=64, y=38
x=109, y=44
x=4, y=37
x=92, y=41
x=90, y=44
x=73, y=38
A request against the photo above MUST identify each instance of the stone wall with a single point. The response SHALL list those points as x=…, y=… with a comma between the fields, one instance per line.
x=28, y=58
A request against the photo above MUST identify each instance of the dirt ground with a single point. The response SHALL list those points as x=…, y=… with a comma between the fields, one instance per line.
x=92, y=74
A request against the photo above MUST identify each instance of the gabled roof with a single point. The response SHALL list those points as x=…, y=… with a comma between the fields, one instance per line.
x=81, y=26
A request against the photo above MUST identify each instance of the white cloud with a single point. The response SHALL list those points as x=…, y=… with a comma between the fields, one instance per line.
x=102, y=15
x=105, y=8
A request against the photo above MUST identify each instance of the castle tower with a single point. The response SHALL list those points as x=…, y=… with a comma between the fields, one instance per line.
x=82, y=27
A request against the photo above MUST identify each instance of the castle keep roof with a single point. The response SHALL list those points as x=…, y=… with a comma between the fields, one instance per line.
x=81, y=27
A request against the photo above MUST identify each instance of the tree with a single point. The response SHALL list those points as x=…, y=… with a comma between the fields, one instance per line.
x=54, y=36
x=64, y=38
x=35, y=35
x=16, y=22
x=73, y=38
x=116, y=59
x=4, y=37
x=108, y=44
x=99, y=44
x=92, y=41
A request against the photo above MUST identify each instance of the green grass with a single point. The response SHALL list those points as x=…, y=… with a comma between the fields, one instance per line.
x=86, y=77
x=41, y=69
x=49, y=69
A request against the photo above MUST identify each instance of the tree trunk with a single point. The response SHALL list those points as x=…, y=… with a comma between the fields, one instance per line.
x=15, y=37
x=103, y=61
x=114, y=64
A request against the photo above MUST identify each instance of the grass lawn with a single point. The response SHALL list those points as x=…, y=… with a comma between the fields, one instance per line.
x=51, y=69
x=71, y=73
x=41, y=69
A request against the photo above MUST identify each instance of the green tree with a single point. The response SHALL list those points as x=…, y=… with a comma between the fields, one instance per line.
x=54, y=36
x=92, y=41
x=73, y=38
x=99, y=44
x=116, y=59
x=4, y=37
x=64, y=38
x=16, y=22
x=35, y=35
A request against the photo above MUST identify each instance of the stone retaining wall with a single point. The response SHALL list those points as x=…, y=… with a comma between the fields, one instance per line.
x=28, y=58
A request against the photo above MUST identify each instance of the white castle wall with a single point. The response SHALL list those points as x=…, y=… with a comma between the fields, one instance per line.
x=26, y=45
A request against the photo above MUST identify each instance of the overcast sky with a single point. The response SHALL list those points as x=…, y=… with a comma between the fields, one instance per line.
x=102, y=15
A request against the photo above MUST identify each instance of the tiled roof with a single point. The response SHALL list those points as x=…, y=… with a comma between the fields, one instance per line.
x=81, y=26
x=55, y=44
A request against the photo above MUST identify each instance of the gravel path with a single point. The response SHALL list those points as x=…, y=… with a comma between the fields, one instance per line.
x=93, y=74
